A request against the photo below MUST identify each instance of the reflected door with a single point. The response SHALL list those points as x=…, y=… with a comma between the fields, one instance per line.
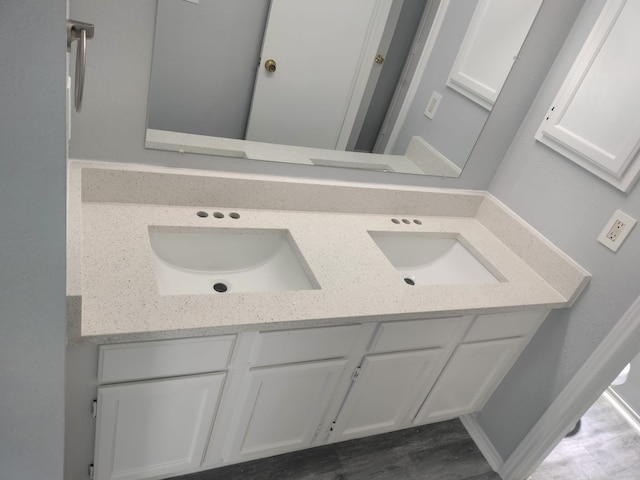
x=324, y=53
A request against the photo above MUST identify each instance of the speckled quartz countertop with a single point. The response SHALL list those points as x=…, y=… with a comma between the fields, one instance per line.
x=112, y=289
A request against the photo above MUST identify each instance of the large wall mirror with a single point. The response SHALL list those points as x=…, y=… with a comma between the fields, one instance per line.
x=329, y=82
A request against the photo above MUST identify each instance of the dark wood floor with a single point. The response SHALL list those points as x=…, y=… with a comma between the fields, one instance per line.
x=606, y=447
x=442, y=451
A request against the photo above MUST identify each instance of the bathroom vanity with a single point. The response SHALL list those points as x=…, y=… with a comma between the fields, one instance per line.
x=222, y=318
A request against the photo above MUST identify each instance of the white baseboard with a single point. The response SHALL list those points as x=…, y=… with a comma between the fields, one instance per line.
x=482, y=442
x=623, y=408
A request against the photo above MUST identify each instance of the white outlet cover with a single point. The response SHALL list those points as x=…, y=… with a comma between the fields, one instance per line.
x=629, y=223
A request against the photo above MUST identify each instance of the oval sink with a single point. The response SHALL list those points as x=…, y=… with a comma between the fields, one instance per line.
x=208, y=260
x=427, y=259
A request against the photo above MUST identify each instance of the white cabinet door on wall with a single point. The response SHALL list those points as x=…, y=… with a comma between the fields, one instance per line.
x=490, y=47
x=594, y=119
x=156, y=428
x=283, y=408
x=384, y=388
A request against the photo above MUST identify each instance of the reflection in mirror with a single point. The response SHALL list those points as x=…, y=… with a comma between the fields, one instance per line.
x=328, y=82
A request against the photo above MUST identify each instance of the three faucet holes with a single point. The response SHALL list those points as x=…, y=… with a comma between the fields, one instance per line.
x=202, y=214
x=406, y=221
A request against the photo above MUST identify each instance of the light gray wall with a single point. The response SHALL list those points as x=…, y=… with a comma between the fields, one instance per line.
x=32, y=238
x=570, y=207
x=112, y=125
x=630, y=390
x=205, y=58
x=458, y=120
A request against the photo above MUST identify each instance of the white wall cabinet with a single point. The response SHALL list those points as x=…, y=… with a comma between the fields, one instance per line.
x=594, y=119
x=490, y=47
x=155, y=428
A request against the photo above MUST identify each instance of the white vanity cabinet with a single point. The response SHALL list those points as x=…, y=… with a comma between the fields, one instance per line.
x=172, y=407
x=402, y=364
x=154, y=420
x=292, y=379
x=479, y=364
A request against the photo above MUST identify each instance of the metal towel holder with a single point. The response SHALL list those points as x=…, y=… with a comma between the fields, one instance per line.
x=80, y=31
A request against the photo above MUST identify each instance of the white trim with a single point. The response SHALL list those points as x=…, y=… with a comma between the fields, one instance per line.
x=370, y=47
x=417, y=76
x=483, y=442
x=623, y=408
x=609, y=358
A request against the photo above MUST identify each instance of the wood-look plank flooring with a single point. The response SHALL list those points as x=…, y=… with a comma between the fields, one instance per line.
x=606, y=447
x=441, y=451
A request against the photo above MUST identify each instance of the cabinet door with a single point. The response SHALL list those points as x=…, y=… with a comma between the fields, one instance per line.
x=594, y=119
x=383, y=390
x=471, y=375
x=283, y=408
x=157, y=428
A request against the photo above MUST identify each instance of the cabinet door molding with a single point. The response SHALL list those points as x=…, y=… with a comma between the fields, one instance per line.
x=594, y=119
x=472, y=374
x=383, y=391
x=156, y=428
x=283, y=407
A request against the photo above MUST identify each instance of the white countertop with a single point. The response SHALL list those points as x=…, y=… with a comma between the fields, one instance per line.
x=112, y=289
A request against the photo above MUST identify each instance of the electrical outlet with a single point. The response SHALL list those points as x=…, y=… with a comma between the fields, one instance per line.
x=616, y=230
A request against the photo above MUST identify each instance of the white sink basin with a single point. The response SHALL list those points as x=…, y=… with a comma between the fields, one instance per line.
x=427, y=259
x=190, y=261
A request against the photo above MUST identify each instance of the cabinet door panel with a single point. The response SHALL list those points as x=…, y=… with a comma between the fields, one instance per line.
x=283, y=408
x=382, y=393
x=156, y=428
x=471, y=375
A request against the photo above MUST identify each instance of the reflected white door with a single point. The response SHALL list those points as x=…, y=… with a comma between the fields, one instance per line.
x=324, y=52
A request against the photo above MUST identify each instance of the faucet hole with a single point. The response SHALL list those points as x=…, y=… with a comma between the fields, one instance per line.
x=220, y=287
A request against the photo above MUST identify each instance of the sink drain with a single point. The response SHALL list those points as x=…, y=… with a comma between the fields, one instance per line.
x=409, y=281
x=220, y=287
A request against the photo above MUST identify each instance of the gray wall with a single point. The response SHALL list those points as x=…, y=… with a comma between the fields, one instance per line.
x=112, y=125
x=630, y=390
x=205, y=58
x=570, y=207
x=32, y=238
x=458, y=120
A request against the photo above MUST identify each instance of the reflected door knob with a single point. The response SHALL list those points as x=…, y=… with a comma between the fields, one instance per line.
x=270, y=65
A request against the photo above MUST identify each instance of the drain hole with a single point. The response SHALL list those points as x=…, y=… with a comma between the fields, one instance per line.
x=202, y=214
x=404, y=220
x=220, y=287
x=407, y=280
x=218, y=215
x=395, y=220
x=234, y=215
x=417, y=222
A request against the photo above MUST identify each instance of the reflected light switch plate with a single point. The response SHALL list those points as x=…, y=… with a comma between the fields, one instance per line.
x=433, y=104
